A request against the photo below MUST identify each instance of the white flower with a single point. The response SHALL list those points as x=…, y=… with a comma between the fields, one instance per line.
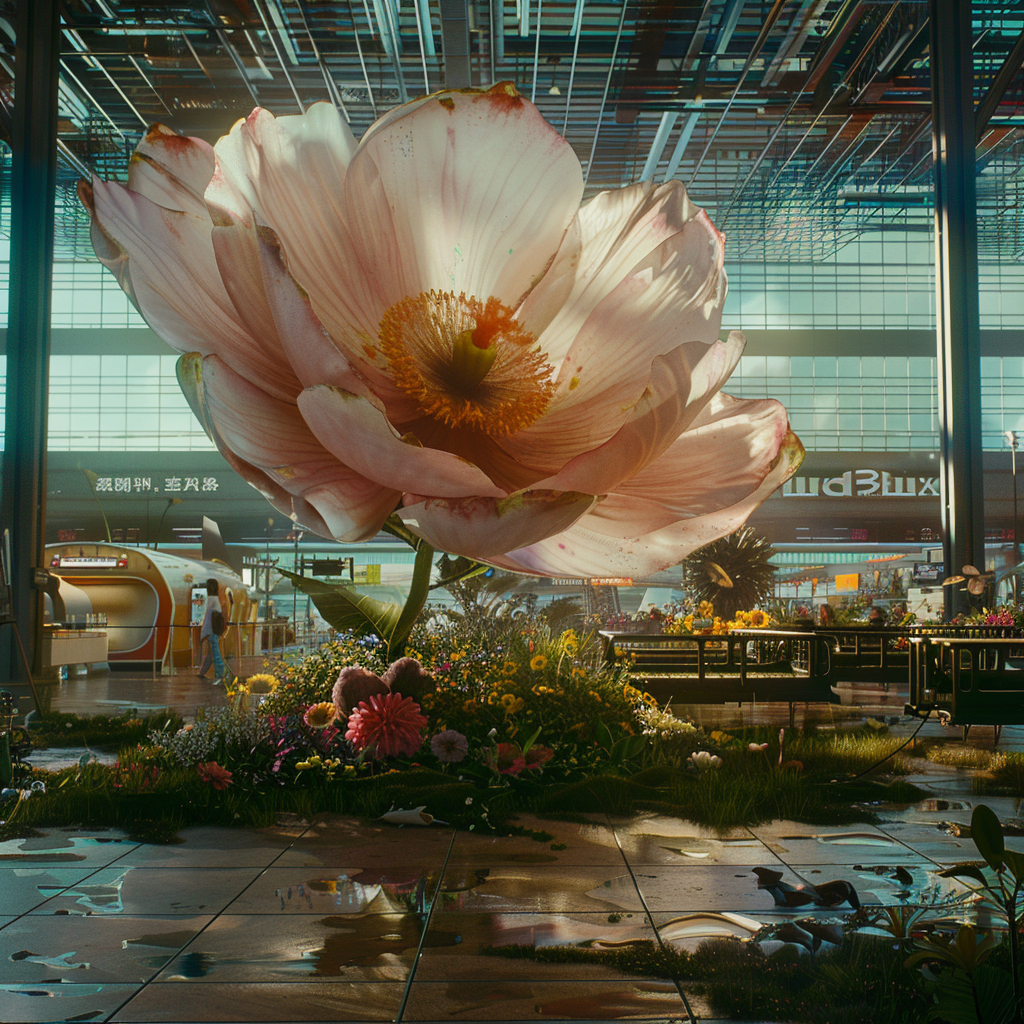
x=702, y=760
x=428, y=320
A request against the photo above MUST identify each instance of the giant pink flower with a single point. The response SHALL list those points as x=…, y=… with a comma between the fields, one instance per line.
x=429, y=321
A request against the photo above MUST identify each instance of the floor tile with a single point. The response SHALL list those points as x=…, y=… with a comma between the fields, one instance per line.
x=212, y=847
x=798, y=843
x=37, y=950
x=636, y=999
x=55, y=1002
x=453, y=948
x=539, y=888
x=706, y=887
x=124, y=889
x=571, y=844
x=66, y=848
x=339, y=842
x=337, y=890
x=656, y=839
x=185, y=1003
x=250, y=948
x=23, y=888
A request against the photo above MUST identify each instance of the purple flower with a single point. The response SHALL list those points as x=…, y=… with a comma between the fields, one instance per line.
x=449, y=746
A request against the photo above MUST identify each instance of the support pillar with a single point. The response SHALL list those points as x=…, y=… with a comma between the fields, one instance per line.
x=33, y=187
x=956, y=283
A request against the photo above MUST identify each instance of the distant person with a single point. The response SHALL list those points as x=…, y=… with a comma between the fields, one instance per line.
x=211, y=638
x=826, y=616
x=876, y=619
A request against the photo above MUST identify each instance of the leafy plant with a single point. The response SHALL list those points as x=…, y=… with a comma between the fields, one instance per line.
x=732, y=572
x=967, y=986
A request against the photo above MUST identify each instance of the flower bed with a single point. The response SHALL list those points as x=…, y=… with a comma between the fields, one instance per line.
x=473, y=729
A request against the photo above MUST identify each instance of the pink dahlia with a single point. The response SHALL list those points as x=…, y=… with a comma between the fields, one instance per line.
x=449, y=746
x=388, y=724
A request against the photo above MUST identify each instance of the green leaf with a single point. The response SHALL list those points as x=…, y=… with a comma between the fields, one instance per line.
x=987, y=834
x=964, y=871
x=605, y=737
x=533, y=739
x=1015, y=862
x=346, y=609
x=457, y=577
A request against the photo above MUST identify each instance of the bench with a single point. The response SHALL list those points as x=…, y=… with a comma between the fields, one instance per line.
x=746, y=665
x=968, y=680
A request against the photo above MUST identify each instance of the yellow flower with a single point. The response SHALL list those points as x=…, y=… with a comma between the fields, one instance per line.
x=512, y=703
x=538, y=661
x=492, y=697
x=469, y=706
x=262, y=682
x=578, y=673
x=705, y=610
x=509, y=667
x=596, y=696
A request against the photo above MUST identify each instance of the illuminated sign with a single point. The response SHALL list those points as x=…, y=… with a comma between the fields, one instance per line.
x=145, y=484
x=847, y=581
x=86, y=562
x=862, y=483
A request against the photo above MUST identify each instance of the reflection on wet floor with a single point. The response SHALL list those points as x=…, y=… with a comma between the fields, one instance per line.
x=346, y=920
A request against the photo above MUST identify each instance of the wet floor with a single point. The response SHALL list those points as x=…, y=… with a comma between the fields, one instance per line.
x=345, y=920
x=361, y=921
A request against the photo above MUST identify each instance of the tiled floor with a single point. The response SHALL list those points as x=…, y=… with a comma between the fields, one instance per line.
x=361, y=921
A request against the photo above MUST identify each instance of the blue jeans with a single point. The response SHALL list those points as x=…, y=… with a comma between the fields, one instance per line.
x=213, y=655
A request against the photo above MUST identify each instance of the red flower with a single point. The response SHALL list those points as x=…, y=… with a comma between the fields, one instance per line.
x=389, y=724
x=214, y=774
x=536, y=757
x=508, y=759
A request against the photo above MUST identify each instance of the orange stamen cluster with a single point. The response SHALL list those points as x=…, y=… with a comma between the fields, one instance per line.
x=469, y=364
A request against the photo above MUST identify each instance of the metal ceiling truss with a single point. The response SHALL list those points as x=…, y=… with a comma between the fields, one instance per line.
x=799, y=124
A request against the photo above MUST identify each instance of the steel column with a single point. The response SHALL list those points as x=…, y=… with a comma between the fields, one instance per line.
x=956, y=284
x=33, y=186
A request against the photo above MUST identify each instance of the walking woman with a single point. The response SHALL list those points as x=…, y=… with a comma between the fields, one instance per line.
x=210, y=635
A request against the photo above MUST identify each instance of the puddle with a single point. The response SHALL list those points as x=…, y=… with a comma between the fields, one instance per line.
x=96, y=897
x=692, y=927
x=942, y=805
x=845, y=839
x=56, y=963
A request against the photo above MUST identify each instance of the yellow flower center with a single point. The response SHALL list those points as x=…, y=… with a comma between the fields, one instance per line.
x=467, y=363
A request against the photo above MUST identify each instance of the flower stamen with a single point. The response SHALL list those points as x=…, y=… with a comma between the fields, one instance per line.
x=467, y=363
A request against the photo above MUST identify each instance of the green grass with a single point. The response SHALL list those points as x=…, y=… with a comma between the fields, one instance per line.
x=101, y=732
x=1005, y=776
x=957, y=756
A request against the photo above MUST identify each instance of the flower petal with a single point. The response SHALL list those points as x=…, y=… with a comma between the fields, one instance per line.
x=288, y=173
x=619, y=230
x=603, y=544
x=485, y=527
x=681, y=385
x=663, y=302
x=467, y=192
x=309, y=348
x=172, y=170
x=165, y=261
x=356, y=430
x=271, y=436
x=716, y=464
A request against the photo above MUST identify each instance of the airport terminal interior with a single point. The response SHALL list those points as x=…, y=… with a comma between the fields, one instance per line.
x=564, y=762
